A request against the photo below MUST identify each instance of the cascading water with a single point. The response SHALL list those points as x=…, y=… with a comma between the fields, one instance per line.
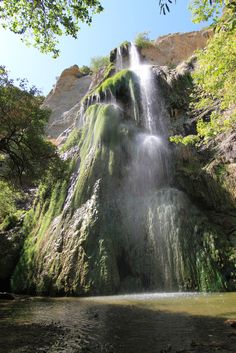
x=156, y=211
x=119, y=60
x=152, y=164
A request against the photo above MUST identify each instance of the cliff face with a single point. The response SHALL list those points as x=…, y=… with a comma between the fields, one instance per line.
x=131, y=212
x=173, y=49
x=64, y=100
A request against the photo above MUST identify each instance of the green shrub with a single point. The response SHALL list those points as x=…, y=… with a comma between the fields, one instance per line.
x=142, y=40
x=9, y=222
x=99, y=62
x=215, y=82
x=85, y=70
x=8, y=198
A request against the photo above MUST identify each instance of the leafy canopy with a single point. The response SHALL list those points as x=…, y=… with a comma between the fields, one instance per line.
x=215, y=81
x=40, y=22
x=24, y=151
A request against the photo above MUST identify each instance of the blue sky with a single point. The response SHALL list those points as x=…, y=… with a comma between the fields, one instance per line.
x=120, y=21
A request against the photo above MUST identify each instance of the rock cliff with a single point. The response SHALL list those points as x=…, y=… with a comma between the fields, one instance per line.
x=64, y=99
x=172, y=49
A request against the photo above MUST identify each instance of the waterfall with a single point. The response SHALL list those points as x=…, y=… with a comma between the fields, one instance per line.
x=114, y=222
x=119, y=60
x=152, y=164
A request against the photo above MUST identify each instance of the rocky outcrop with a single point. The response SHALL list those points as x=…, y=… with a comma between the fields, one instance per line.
x=174, y=48
x=64, y=100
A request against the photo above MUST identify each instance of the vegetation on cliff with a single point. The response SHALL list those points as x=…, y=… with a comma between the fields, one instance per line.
x=99, y=62
x=142, y=40
x=25, y=153
x=215, y=83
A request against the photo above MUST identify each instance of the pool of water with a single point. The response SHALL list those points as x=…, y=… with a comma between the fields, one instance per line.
x=138, y=323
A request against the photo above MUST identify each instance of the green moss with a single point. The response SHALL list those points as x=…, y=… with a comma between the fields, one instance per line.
x=109, y=71
x=72, y=140
x=124, y=86
x=119, y=81
x=99, y=145
x=48, y=205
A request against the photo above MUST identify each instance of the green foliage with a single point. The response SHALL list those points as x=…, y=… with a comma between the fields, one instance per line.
x=99, y=62
x=11, y=220
x=215, y=83
x=216, y=125
x=185, y=140
x=126, y=43
x=142, y=40
x=85, y=70
x=216, y=73
x=203, y=10
x=41, y=22
x=24, y=151
x=8, y=199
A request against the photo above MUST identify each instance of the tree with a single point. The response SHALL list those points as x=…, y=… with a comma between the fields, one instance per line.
x=41, y=21
x=24, y=151
x=213, y=98
x=202, y=9
x=99, y=62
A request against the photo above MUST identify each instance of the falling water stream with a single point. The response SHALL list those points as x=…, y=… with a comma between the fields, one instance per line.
x=153, y=153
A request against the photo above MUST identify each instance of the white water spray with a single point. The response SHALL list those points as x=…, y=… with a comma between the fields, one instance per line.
x=119, y=60
x=152, y=147
x=144, y=72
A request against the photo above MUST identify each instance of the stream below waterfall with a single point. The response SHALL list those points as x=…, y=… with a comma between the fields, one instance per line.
x=139, y=323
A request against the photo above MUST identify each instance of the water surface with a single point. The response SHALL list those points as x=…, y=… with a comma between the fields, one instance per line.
x=139, y=323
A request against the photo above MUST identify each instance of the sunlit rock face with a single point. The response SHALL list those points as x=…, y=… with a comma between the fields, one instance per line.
x=64, y=100
x=174, y=48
